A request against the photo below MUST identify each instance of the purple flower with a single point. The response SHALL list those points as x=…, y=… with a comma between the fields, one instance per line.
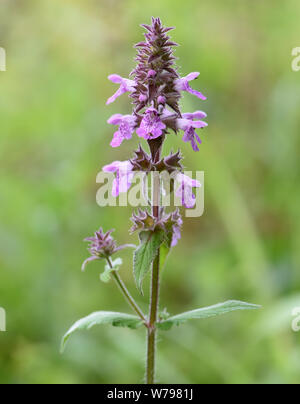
x=185, y=190
x=126, y=124
x=161, y=100
x=188, y=125
x=126, y=86
x=124, y=176
x=102, y=246
x=151, y=125
x=176, y=235
x=177, y=224
x=195, y=115
x=182, y=84
x=143, y=98
x=151, y=74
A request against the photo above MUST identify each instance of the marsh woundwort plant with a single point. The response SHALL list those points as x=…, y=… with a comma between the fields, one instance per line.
x=155, y=89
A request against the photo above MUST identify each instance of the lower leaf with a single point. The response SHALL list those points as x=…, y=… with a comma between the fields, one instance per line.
x=206, y=312
x=102, y=317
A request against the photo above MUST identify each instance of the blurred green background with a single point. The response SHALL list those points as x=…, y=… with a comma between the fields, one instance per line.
x=55, y=139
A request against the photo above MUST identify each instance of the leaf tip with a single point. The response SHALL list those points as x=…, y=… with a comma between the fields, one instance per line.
x=246, y=305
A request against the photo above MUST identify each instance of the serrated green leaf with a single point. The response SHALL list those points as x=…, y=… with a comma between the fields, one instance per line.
x=106, y=275
x=103, y=317
x=206, y=312
x=145, y=254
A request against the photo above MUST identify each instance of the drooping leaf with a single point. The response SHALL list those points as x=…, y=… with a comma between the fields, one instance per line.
x=102, y=317
x=106, y=275
x=145, y=254
x=206, y=312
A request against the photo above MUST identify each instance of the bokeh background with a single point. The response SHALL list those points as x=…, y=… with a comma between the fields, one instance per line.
x=55, y=139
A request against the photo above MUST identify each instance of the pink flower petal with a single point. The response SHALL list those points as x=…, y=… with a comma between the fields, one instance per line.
x=115, y=78
x=195, y=115
x=192, y=76
x=117, y=139
x=199, y=124
x=117, y=94
x=116, y=119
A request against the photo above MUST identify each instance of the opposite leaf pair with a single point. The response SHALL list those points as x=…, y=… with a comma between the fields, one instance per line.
x=133, y=322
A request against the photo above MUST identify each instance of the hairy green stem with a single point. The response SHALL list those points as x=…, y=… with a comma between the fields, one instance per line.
x=151, y=346
x=126, y=293
x=154, y=302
